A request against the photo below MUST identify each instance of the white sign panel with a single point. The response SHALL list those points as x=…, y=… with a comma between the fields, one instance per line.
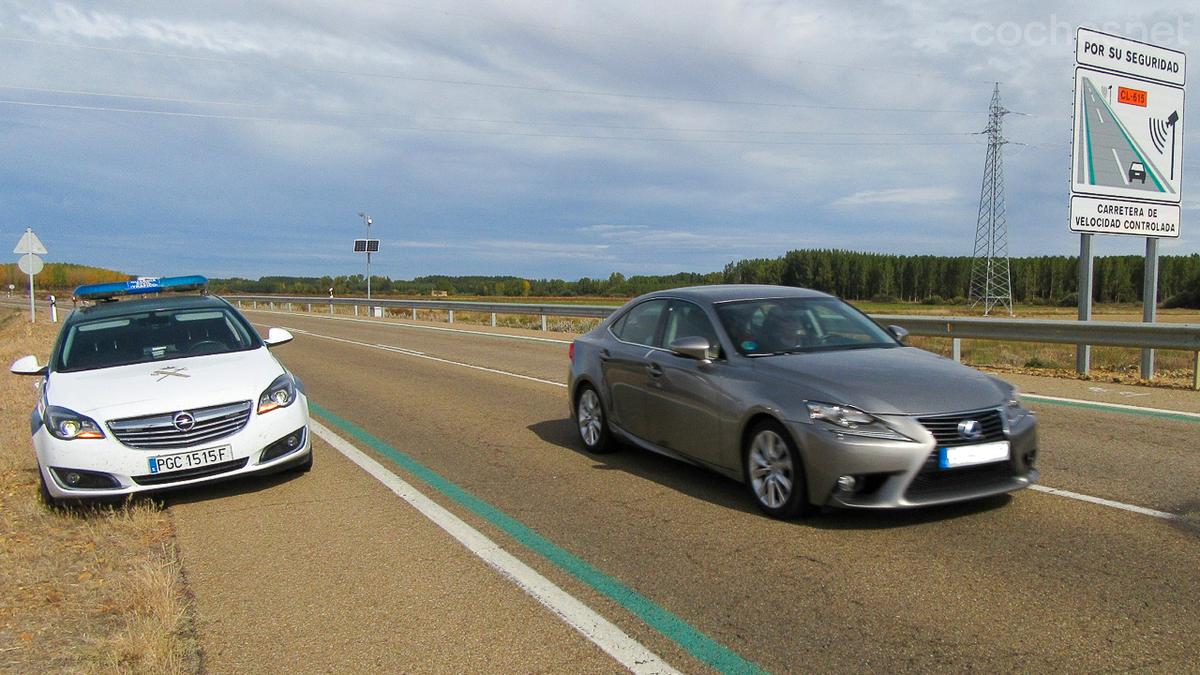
x=1101, y=215
x=30, y=243
x=30, y=264
x=1122, y=55
x=1128, y=138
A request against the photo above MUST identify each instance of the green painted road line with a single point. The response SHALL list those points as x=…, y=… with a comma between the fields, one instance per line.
x=1108, y=407
x=677, y=630
x=1087, y=132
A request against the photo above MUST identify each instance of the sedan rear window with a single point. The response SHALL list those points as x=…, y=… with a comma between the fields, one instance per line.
x=791, y=325
x=153, y=336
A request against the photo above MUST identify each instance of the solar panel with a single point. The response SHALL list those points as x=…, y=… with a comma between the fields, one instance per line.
x=360, y=245
x=372, y=245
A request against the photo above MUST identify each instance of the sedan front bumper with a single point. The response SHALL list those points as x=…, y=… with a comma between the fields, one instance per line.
x=902, y=474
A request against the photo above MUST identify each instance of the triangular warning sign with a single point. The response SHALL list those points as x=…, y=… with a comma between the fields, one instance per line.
x=30, y=244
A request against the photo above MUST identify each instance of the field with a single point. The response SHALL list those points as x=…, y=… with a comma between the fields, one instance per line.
x=91, y=590
x=1109, y=364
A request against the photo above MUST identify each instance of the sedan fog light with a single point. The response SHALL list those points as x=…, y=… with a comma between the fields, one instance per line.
x=847, y=483
x=73, y=478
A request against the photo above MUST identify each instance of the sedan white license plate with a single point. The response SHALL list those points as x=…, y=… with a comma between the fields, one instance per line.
x=968, y=455
x=190, y=460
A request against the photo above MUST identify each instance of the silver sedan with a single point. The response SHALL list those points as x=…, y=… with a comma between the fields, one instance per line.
x=802, y=397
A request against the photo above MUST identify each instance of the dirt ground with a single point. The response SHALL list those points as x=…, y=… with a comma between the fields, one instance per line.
x=85, y=590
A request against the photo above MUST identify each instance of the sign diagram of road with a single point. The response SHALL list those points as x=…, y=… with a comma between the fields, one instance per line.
x=1128, y=137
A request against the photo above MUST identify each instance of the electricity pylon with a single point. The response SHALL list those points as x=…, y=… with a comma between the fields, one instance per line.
x=991, y=278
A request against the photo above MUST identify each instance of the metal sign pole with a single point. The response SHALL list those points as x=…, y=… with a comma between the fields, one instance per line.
x=1149, y=301
x=1083, y=353
x=32, y=307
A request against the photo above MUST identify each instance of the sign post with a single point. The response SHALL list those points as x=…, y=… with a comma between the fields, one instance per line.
x=30, y=247
x=1127, y=158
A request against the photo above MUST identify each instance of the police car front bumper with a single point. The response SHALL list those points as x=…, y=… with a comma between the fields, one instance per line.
x=105, y=468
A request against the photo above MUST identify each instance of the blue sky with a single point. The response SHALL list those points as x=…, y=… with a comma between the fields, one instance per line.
x=539, y=138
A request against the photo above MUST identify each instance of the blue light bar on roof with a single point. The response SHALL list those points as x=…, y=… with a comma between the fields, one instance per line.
x=140, y=286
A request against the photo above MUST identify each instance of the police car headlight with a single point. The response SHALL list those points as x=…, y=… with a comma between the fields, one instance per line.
x=280, y=394
x=67, y=425
x=852, y=421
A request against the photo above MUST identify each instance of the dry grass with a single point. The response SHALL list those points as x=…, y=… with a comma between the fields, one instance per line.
x=85, y=590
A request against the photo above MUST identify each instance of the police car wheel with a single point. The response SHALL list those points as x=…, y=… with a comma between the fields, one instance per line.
x=306, y=465
x=44, y=492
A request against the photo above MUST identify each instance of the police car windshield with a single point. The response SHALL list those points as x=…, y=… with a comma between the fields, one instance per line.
x=144, y=337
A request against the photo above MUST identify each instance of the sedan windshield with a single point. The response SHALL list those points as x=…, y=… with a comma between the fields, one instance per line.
x=153, y=336
x=790, y=325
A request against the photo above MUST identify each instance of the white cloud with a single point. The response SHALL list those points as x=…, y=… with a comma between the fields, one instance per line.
x=924, y=196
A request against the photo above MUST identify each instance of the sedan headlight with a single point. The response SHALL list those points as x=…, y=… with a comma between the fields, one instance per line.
x=280, y=394
x=67, y=425
x=847, y=420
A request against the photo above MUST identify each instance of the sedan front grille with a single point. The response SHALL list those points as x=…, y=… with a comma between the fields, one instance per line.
x=159, y=432
x=945, y=427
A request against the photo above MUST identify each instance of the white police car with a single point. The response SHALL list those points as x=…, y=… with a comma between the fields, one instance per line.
x=162, y=392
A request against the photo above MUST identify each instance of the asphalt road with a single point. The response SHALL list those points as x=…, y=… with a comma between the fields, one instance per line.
x=1029, y=582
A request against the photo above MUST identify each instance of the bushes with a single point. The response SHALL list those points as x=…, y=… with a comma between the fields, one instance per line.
x=1185, y=300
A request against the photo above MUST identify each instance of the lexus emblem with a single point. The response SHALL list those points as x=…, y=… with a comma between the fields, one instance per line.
x=184, y=421
x=971, y=430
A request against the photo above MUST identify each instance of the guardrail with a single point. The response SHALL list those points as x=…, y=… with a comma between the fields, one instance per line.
x=1175, y=336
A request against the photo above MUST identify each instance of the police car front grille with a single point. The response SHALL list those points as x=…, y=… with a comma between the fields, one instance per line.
x=158, y=432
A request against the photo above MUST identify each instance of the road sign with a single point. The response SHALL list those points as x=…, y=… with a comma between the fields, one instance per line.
x=1128, y=137
x=1103, y=215
x=1122, y=55
x=30, y=243
x=30, y=264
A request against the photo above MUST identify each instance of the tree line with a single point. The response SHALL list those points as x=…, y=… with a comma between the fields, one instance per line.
x=852, y=275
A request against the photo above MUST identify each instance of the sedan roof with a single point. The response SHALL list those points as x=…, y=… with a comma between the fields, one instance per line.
x=734, y=292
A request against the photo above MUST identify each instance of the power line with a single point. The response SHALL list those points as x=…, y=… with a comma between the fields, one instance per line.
x=496, y=85
x=548, y=123
x=478, y=132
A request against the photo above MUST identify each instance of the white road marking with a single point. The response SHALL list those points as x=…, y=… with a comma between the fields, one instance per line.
x=1100, y=116
x=420, y=355
x=1105, y=502
x=1101, y=404
x=401, y=324
x=630, y=653
x=1040, y=488
x=1120, y=170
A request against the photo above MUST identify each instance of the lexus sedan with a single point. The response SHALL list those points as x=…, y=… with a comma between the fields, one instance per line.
x=154, y=393
x=802, y=397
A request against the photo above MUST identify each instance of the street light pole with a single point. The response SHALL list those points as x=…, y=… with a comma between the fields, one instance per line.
x=367, y=220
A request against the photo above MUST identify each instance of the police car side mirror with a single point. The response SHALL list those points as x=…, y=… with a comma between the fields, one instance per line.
x=277, y=336
x=28, y=365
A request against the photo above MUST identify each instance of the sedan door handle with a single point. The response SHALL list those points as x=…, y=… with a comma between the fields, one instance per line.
x=655, y=370
x=604, y=355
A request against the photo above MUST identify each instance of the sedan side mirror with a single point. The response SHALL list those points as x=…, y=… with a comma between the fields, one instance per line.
x=694, y=347
x=899, y=333
x=28, y=365
x=277, y=336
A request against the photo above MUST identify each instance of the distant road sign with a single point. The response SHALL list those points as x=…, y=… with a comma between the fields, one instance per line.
x=30, y=264
x=29, y=243
x=1130, y=57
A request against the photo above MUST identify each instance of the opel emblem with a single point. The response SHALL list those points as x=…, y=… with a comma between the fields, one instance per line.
x=971, y=430
x=184, y=421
